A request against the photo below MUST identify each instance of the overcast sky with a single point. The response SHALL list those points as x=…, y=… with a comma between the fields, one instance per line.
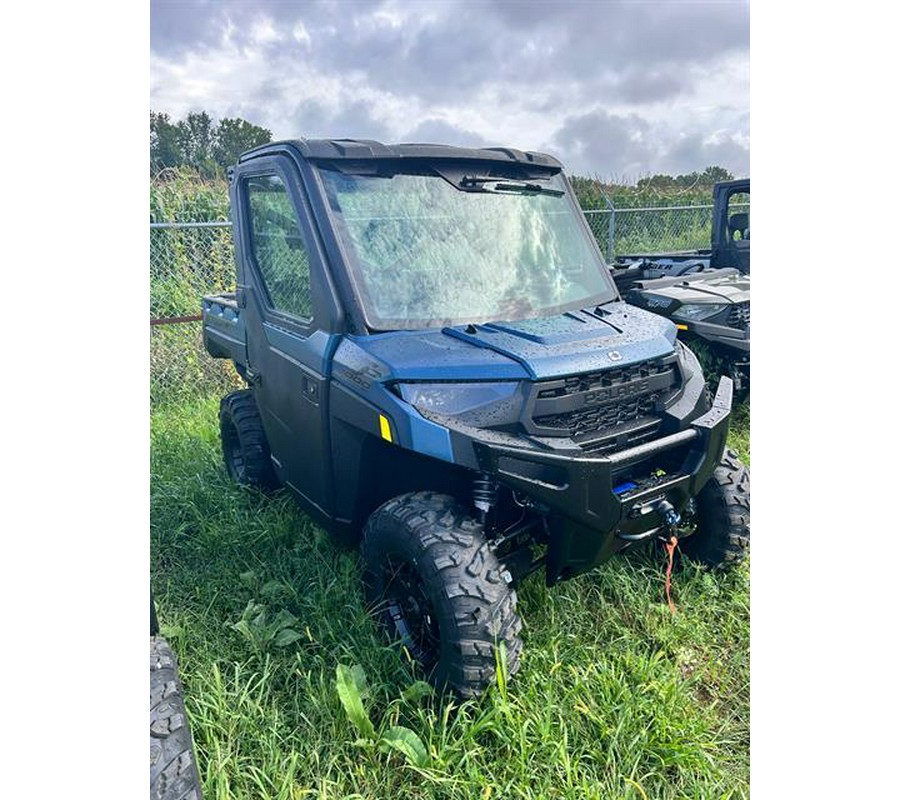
x=618, y=90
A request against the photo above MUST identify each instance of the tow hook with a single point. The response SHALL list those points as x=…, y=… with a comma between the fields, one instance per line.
x=672, y=519
x=669, y=528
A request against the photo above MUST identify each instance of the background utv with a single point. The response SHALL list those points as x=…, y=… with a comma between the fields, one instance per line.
x=440, y=365
x=706, y=293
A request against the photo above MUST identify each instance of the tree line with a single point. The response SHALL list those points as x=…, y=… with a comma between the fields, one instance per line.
x=200, y=143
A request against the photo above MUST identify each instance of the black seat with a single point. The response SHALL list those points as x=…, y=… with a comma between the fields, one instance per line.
x=739, y=223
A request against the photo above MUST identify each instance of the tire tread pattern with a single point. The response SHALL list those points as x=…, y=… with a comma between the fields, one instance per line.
x=240, y=410
x=173, y=768
x=722, y=538
x=471, y=590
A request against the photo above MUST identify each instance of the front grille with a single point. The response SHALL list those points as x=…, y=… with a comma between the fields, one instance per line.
x=739, y=316
x=606, y=408
x=591, y=381
x=630, y=436
x=601, y=418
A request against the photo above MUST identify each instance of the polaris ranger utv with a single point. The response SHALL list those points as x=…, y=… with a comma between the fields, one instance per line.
x=705, y=292
x=439, y=365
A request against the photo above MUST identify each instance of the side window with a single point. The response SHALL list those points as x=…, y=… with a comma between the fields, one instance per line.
x=278, y=247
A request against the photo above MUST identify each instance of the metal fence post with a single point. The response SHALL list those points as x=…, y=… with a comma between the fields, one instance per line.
x=612, y=235
x=610, y=249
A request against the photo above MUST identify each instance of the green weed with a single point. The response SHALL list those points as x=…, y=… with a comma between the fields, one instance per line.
x=263, y=632
x=352, y=687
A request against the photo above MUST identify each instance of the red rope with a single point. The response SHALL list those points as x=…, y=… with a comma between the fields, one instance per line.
x=670, y=549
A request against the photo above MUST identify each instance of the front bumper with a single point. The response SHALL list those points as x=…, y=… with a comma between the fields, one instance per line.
x=591, y=515
x=734, y=338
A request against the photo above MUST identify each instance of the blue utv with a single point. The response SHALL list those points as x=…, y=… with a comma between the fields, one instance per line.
x=439, y=366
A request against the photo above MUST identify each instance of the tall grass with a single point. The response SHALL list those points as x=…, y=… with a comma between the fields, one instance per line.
x=594, y=194
x=182, y=195
x=615, y=697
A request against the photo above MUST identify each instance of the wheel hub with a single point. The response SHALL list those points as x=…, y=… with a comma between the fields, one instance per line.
x=411, y=614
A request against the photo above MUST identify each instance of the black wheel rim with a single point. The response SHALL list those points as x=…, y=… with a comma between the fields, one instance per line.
x=410, y=613
x=231, y=449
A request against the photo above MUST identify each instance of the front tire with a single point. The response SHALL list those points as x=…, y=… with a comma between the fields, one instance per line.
x=439, y=589
x=722, y=536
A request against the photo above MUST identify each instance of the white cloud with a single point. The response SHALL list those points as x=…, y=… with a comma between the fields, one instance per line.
x=263, y=32
x=609, y=88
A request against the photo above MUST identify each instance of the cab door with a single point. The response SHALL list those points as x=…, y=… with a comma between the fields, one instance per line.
x=280, y=295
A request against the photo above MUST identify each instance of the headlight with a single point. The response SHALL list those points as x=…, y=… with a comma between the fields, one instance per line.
x=454, y=399
x=697, y=311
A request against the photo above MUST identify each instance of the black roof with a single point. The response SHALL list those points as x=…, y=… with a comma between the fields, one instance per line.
x=737, y=182
x=368, y=149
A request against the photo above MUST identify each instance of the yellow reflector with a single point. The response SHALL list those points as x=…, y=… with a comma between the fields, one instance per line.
x=385, y=428
x=681, y=327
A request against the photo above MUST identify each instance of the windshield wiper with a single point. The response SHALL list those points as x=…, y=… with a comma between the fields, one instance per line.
x=499, y=186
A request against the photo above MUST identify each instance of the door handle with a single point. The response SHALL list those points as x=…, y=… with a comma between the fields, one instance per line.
x=310, y=390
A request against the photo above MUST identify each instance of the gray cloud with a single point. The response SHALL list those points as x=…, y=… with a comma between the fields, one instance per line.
x=177, y=26
x=638, y=86
x=443, y=47
x=689, y=151
x=533, y=44
x=648, y=33
x=312, y=119
x=613, y=87
x=630, y=147
x=598, y=142
x=438, y=130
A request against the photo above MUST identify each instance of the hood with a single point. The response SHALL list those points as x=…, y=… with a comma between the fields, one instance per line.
x=716, y=286
x=612, y=336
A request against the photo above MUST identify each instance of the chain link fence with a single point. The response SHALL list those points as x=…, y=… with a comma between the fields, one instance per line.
x=191, y=259
x=620, y=231
x=187, y=261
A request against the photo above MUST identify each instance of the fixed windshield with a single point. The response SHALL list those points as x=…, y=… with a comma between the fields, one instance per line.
x=426, y=252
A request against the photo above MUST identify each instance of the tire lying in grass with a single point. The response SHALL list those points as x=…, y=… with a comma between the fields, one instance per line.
x=437, y=586
x=244, y=444
x=722, y=537
x=173, y=768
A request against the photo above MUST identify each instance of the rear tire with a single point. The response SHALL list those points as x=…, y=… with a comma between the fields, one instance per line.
x=722, y=537
x=173, y=768
x=438, y=587
x=244, y=444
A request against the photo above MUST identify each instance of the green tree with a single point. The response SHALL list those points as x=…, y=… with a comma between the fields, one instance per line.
x=196, y=137
x=235, y=135
x=165, y=150
x=687, y=180
x=715, y=175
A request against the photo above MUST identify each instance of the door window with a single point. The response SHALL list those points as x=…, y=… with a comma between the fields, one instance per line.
x=278, y=247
